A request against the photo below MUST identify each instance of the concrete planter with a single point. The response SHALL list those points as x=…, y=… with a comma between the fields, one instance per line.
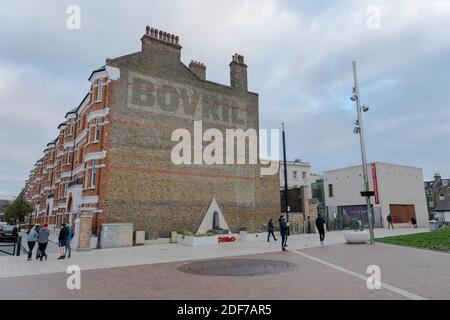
x=197, y=241
x=356, y=237
x=252, y=237
x=206, y=241
x=94, y=242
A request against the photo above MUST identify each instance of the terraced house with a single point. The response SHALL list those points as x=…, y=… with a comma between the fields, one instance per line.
x=66, y=180
x=112, y=158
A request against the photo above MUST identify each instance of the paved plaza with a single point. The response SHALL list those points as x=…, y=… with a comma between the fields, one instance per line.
x=337, y=271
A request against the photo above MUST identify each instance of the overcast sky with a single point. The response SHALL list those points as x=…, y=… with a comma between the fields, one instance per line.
x=299, y=55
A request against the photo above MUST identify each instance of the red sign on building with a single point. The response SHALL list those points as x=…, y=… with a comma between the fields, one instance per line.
x=375, y=182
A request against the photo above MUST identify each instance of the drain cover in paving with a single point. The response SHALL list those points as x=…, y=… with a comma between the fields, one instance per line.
x=237, y=267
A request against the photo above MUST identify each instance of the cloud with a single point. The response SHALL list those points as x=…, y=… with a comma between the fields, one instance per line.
x=299, y=55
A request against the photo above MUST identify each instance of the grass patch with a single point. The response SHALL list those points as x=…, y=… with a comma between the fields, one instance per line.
x=437, y=240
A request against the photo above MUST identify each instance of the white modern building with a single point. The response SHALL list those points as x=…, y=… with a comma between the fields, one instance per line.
x=398, y=190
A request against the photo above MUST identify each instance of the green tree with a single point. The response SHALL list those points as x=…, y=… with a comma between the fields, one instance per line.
x=18, y=209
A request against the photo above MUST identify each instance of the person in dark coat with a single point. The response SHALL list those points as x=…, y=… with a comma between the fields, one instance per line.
x=270, y=230
x=284, y=233
x=389, y=221
x=414, y=222
x=63, y=234
x=320, y=225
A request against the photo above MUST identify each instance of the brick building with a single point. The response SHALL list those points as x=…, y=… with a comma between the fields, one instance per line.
x=112, y=157
x=438, y=195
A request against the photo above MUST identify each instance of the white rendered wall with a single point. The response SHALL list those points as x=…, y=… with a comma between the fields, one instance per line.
x=402, y=185
x=396, y=185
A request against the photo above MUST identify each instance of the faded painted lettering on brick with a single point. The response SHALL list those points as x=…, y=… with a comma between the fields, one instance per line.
x=176, y=99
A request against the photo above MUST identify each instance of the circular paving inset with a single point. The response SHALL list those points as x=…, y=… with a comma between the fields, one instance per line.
x=237, y=267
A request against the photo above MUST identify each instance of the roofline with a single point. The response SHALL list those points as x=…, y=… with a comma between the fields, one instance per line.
x=53, y=142
x=375, y=162
x=216, y=83
x=62, y=124
x=75, y=110
x=97, y=70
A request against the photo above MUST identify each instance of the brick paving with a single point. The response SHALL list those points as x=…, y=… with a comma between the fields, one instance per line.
x=163, y=281
x=422, y=272
x=151, y=272
x=149, y=254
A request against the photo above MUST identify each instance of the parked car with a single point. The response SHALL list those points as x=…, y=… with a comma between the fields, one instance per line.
x=8, y=233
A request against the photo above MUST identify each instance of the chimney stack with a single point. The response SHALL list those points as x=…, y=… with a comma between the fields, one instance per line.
x=238, y=72
x=198, y=68
x=160, y=43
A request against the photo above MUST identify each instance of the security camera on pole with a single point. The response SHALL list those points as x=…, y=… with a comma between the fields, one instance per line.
x=360, y=129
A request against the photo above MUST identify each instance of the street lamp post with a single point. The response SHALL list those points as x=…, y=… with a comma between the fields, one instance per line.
x=286, y=200
x=360, y=129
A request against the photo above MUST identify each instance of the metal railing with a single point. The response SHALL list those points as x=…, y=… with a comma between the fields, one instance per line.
x=15, y=243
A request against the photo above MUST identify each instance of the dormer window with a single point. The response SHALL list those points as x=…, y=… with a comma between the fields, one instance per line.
x=99, y=90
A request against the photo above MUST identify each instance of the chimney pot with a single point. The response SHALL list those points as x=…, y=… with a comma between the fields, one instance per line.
x=151, y=43
x=198, y=68
x=238, y=72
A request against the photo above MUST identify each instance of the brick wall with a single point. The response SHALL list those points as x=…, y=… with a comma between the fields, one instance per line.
x=156, y=94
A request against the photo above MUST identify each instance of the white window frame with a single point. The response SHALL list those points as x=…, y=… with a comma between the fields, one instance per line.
x=97, y=130
x=99, y=91
x=88, y=134
x=69, y=155
x=93, y=174
x=85, y=175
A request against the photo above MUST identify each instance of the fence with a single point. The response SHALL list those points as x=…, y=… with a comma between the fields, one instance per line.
x=11, y=242
x=353, y=217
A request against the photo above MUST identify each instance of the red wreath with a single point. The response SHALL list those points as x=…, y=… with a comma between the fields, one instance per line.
x=226, y=239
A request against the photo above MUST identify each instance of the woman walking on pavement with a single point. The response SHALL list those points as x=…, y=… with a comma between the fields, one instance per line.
x=320, y=224
x=32, y=236
x=43, y=241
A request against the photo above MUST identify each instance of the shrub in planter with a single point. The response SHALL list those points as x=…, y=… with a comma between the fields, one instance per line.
x=185, y=233
x=202, y=235
x=253, y=230
x=354, y=224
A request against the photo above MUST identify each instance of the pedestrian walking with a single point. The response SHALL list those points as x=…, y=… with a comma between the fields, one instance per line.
x=62, y=238
x=32, y=237
x=389, y=220
x=414, y=222
x=284, y=233
x=270, y=230
x=70, y=235
x=43, y=235
x=38, y=252
x=320, y=225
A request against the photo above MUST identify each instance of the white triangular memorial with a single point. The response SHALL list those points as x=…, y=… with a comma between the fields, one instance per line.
x=207, y=222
